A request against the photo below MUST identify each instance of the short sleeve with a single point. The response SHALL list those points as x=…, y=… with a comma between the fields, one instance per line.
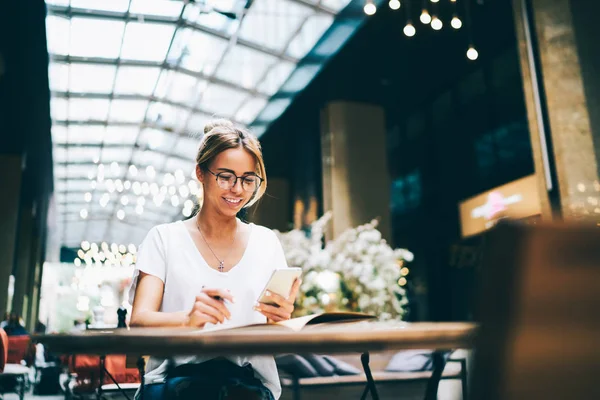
x=278, y=259
x=151, y=259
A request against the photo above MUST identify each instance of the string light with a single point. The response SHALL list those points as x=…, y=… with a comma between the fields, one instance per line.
x=436, y=23
x=83, y=213
x=425, y=17
x=456, y=22
x=87, y=197
x=409, y=30
x=394, y=4
x=472, y=53
x=370, y=8
x=121, y=214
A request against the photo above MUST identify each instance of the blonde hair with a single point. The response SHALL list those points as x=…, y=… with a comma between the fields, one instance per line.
x=221, y=135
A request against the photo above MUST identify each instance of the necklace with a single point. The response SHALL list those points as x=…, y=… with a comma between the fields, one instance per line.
x=221, y=262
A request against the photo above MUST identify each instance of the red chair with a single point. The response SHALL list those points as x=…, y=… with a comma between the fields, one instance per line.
x=3, y=349
x=20, y=349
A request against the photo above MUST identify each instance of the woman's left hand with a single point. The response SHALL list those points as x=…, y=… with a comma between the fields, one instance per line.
x=284, y=307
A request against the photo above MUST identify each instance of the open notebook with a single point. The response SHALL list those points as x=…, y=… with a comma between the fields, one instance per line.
x=300, y=323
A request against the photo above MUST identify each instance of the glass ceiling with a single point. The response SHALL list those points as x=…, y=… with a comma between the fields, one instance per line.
x=134, y=81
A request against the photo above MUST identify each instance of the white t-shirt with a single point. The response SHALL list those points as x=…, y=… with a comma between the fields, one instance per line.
x=169, y=253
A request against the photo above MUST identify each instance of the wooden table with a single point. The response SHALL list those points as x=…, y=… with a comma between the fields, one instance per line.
x=360, y=337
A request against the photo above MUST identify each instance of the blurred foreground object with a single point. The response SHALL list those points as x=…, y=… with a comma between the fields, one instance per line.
x=540, y=302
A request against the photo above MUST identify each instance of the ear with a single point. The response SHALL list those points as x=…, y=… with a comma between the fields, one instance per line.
x=199, y=174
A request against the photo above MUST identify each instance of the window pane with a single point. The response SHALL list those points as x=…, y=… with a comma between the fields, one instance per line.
x=90, y=78
x=136, y=80
x=193, y=14
x=59, y=134
x=179, y=88
x=58, y=34
x=59, y=154
x=60, y=171
x=311, y=32
x=155, y=139
x=222, y=100
x=146, y=158
x=80, y=171
x=83, y=154
x=58, y=74
x=116, y=154
x=86, y=134
x=147, y=41
x=335, y=5
x=197, y=51
x=166, y=8
x=167, y=116
x=174, y=163
x=88, y=109
x=121, y=134
x=94, y=37
x=77, y=185
x=275, y=78
x=244, y=66
x=196, y=124
x=59, y=109
x=128, y=110
x=271, y=23
x=111, y=5
x=187, y=147
x=250, y=110
x=274, y=109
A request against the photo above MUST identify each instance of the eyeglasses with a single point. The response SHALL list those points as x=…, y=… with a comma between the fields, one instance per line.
x=227, y=180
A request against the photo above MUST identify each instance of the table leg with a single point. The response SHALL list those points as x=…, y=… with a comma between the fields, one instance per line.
x=439, y=363
x=141, y=364
x=102, y=369
x=364, y=359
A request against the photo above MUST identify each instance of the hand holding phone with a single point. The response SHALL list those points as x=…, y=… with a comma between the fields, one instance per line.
x=280, y=283
x=276, y=301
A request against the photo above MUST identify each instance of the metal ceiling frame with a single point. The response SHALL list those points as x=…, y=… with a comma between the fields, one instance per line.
x=165, y=65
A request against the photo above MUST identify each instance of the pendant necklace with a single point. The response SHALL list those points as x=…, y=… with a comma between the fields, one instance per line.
x=221, y=266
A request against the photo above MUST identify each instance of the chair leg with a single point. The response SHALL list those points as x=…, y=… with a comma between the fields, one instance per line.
x=463, y=378
x=438, y=368
x=22, y=388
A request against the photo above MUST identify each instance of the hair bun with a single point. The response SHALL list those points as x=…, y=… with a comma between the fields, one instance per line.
x=216, y=123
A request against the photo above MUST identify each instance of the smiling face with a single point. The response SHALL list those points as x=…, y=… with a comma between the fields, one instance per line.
x=228, y=164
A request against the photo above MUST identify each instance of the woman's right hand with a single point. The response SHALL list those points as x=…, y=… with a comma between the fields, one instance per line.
x=209, y=307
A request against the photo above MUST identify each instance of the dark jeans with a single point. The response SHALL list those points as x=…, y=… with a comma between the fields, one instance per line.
x=216, y=379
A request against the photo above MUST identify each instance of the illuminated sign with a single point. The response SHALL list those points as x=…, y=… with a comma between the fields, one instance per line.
x=518, y=199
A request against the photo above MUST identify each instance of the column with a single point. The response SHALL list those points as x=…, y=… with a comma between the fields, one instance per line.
x=10, y=176
x=24, y=262
x=559, y=62
x=356, y=181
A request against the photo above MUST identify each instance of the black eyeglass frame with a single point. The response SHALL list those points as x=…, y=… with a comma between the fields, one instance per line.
x=260, y=180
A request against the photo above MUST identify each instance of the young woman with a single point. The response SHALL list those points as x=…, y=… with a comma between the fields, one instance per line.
x=209, y=270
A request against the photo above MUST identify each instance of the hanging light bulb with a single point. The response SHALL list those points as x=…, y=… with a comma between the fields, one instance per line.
x=425, y=17
x=435, y=1
x=409, y=30
x=436, y=23
x=472, y=54
x=456, y=22
x=394, y=4
x=370, y=8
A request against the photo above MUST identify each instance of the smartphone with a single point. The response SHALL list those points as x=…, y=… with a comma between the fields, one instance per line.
x=281, y=282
